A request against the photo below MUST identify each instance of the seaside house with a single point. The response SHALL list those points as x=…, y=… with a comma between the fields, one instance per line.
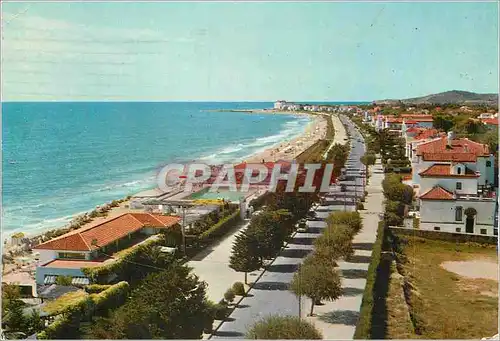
x=415, y=136
x=93, y=246
x=279, y=105
x=454, y=180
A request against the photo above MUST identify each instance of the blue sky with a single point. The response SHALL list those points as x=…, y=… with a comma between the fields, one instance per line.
x=247, y=51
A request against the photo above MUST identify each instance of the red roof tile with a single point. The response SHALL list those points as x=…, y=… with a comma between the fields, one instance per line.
x=107, y=231
x=490, y=121
x=461, y=150
x=437, y=193
x=444, y=170
x=427, y=133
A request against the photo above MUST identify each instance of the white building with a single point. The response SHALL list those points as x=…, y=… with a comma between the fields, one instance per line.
x=454, y=180
x=279, y=105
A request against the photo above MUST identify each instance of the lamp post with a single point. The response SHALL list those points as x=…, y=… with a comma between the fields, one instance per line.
x=300, y=295
x=183, y=229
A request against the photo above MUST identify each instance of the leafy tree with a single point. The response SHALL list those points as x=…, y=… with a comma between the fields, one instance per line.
x=334, y=243
x=351, y=219
x=442, y=122
x=170, y=304
x=277, y=327
x=14, y=318
x=245, y=255
x=392, y=219
x=316, y=280
x=239, y=288
x=34, y=323
x=229, y=295
x=368, y=159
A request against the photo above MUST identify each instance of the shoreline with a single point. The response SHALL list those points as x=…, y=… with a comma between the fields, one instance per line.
x=286, y=149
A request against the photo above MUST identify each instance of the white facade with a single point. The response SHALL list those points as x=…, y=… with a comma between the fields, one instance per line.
x=467, y=186
x=279, y=105
x=441, y=215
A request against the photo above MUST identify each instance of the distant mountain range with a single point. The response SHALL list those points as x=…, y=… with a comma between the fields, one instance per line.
x=448, y=97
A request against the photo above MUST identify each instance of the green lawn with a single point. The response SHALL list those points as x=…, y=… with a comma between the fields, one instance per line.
x=444, y=304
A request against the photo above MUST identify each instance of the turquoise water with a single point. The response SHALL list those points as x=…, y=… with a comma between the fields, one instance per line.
x=61, y=159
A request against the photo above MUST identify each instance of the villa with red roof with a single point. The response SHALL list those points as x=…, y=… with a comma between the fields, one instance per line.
x=94, y=245
x=454, y=180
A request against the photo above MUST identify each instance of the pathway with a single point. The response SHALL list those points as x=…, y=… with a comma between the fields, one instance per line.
x=338, y=319
x=212, y=266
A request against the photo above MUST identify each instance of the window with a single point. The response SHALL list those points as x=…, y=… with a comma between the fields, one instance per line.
x=459, y=170
x=488, y=163
x=459, y=185
x=458, y=213
x=495, y=232
x=483, y=231
x=458, y=229
x=437, y=228
x=71, y=255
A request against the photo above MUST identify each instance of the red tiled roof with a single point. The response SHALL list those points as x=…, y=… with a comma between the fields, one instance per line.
x=444, y=170
x=394, y=119
x=450, y=156
x=427, y=133
x=461, y=150
x=490, y=121
x=414, y=130
x=107, y=231
x=437, y=193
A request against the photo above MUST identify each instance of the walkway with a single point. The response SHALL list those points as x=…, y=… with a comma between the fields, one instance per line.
x=338, y=319
x=212, y=266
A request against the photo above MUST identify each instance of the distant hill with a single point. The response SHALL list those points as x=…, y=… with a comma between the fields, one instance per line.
x=448, y=97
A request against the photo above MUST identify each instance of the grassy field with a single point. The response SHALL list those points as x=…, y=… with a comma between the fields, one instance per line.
x=442, y=304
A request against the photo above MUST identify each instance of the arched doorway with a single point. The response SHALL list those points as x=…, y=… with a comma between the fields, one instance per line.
x=470, y=214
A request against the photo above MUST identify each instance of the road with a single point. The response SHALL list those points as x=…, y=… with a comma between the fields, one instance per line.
x=270, y=294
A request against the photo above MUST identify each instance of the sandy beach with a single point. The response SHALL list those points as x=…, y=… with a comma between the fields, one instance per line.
x=286, y=150
x=289, y=150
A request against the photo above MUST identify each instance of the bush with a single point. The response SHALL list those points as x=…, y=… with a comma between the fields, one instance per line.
x=229, y=295
x=221, y=311
x=282, y=328
x=239, y=289
x=96, y=288
x=360, y=206
x=351, y=219
x=220, y=228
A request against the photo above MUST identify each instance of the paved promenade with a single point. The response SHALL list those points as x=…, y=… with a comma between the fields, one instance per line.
x=212, y=266
x=338, y=319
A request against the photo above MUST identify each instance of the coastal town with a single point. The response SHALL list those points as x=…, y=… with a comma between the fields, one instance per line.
x=410, y=214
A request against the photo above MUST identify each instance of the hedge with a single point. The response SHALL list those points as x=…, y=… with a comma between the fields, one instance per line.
x=220, y=228
x=126, y=257
x=91, y=305
x=96, y=288
x=364, y=326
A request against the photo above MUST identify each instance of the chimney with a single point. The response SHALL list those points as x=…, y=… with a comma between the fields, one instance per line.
x=450, y=138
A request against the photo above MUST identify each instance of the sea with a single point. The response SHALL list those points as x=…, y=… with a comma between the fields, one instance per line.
x=61, y=159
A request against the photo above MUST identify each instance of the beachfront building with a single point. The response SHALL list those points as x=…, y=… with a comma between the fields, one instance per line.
x=279, y=105
x=93, y=246
x=448, y=149
x=454, y=181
